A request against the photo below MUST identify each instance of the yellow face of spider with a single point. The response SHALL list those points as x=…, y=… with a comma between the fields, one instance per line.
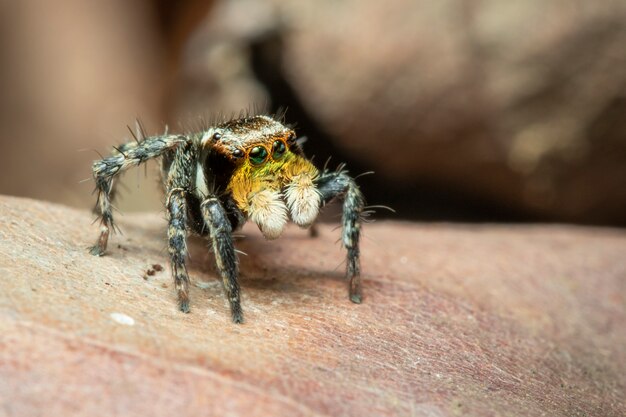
x=272, y=180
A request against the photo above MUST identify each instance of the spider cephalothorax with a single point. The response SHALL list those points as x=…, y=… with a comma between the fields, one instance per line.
x=270, y=177
x=251, y=168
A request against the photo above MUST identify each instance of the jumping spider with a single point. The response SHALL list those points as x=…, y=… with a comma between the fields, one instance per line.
x=250, y=168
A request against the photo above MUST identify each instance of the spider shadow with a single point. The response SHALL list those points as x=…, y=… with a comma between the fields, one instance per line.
x=259, y=260
x=260, y=267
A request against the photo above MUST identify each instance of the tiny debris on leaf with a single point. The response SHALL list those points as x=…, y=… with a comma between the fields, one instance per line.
x=151, y=271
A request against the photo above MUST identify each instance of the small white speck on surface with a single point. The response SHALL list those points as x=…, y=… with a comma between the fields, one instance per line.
x=403, y=260
x=203, y=285
x=123, y=319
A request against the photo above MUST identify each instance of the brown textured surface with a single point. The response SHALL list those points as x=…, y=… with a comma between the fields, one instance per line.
x=457, y=320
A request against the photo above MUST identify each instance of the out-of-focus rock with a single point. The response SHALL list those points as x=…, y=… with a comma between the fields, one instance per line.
x=456, y=320
x=516, y=103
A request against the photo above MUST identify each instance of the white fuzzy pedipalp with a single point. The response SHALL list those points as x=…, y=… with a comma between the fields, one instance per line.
x=303, y=200
x=268, y=211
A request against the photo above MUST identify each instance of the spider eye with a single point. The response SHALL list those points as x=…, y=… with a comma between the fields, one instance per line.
x=217, y=136
x=237, y=153
x=258, y=155
x=278, y=149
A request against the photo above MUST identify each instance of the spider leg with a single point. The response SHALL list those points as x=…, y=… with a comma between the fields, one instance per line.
x=179, y=179
x=106, y=169
x=220, y=232
x=177, y=244
x=339, y=184
x=117, y=150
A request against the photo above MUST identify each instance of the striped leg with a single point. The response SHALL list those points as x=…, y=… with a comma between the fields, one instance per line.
x=177, y=244
x=220, y=231
x=106, y=169
x=178, y=184
x=340, y=184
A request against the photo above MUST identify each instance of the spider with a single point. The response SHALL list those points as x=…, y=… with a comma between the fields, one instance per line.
x=248, y=168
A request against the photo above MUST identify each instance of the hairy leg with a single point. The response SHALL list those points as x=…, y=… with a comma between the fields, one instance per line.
x=106, y=169
x=177, y=244
x=220, y=232
x=340, y=184
x=178, y=184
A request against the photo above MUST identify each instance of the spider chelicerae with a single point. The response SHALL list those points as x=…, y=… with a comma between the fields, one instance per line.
x=249, y=168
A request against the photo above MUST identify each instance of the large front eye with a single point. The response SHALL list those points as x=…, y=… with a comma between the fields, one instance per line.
x=258, y=155
x=278, y=149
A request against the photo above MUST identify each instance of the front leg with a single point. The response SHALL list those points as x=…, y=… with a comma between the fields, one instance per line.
x=220, y=232
x=340, y=184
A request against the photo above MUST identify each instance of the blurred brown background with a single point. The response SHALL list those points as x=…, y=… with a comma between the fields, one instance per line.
x=466, y=110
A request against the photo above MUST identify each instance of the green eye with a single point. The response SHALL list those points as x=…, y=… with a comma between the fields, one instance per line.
x=258, y=155
x=278, y=149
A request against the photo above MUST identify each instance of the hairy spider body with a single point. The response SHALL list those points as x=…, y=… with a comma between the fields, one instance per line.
x=251, y=168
